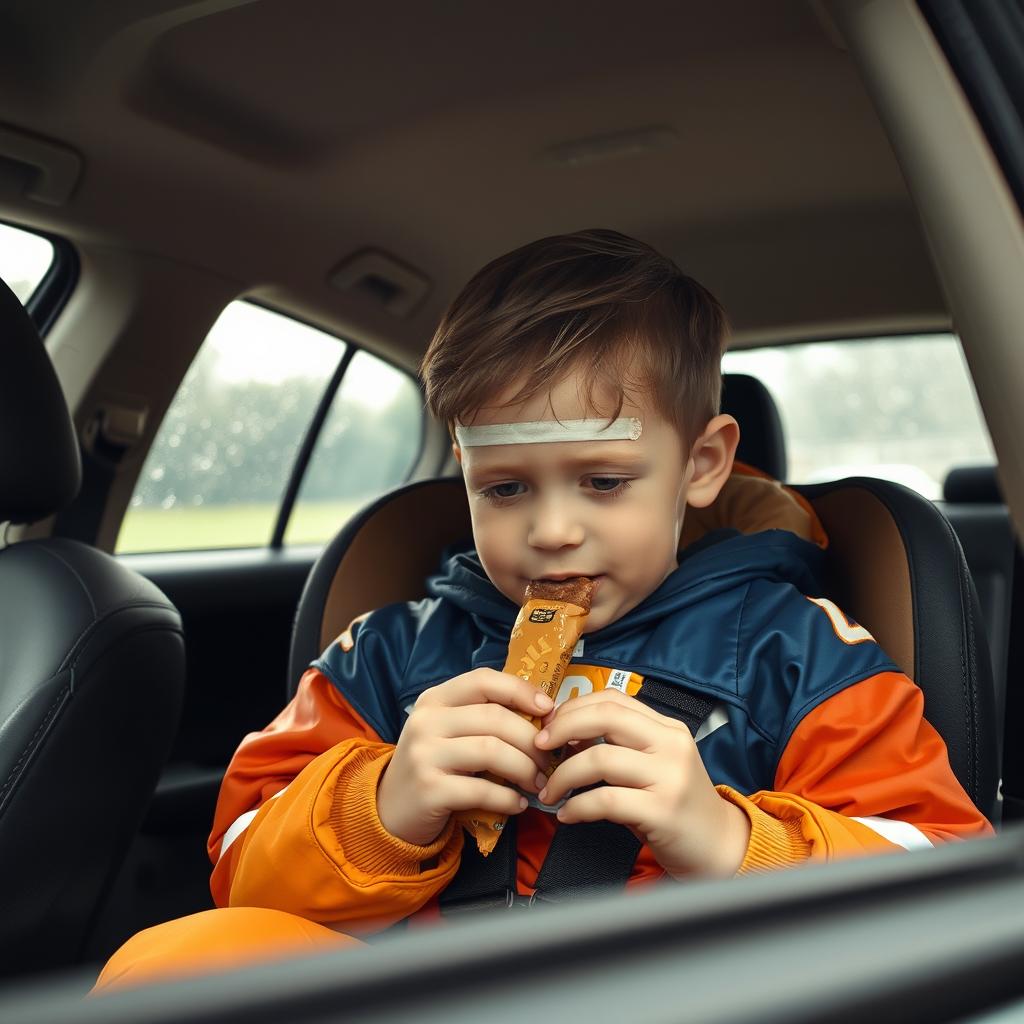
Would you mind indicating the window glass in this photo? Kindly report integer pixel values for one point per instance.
(24, 260)
(369, 444)
(218, 467)
(903, 409)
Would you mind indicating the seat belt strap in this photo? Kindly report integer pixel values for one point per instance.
(583, 858)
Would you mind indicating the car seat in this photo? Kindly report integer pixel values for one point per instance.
(893, 563)
(92, 672)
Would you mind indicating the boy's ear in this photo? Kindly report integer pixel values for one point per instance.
(713, 454)
(457, 452)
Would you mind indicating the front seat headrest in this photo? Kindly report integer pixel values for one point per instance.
(40, 467)
(762, 443)
(972, 485)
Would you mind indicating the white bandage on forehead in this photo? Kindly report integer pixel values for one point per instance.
(625, 428)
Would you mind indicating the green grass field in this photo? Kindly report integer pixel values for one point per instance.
(229, 526)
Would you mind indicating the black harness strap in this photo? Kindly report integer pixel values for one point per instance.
(484, 883)
(584, 858)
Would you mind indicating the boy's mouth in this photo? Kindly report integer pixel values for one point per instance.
(557, 577)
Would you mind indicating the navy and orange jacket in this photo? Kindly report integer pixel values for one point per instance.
(815, 734)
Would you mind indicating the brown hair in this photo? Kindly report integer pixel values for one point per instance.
(596, 302)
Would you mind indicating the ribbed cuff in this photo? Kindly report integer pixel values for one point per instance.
(774, 842)
(369, 846)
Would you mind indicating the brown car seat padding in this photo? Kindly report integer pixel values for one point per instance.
(868, 569)
(396, 549)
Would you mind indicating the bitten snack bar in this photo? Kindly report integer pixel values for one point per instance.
(545, 632)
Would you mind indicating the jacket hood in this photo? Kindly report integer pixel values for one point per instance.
(722, 561)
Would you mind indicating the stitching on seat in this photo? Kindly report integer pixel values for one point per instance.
(74, 572)
(150, 627)
(33, 743)
(969, 681)
(972, 653)
(73, 654)
(52, 711)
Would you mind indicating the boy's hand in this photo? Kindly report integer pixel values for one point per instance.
(656, 783)
(457, 729)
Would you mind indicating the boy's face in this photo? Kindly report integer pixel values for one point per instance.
(608, 509)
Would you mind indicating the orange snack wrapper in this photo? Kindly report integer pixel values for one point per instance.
(546, 630)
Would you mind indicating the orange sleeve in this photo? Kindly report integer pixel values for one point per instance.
(863, 772)
(296, 826)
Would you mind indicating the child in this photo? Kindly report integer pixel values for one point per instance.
(580, 378)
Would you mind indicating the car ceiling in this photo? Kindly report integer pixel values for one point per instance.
(268, 141)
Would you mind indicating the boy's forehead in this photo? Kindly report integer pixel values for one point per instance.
(570, 399)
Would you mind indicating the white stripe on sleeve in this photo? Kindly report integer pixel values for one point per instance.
(239, 825)
(902, 833)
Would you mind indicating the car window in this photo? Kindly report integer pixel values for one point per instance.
(369, 443)
(901, 408)
(24, 260)
(219, 467)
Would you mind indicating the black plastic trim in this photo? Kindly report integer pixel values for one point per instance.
(53, 292)
(198, 581)
(305, 452)
(928, 936)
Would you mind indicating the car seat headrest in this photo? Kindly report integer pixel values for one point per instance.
(40, 466)
(973, 485)
(762, 443)
(391, 548)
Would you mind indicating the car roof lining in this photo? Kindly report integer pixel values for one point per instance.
(229, 137)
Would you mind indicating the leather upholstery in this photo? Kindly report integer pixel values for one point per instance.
(92, 666)
(91, 681)
(40, 468)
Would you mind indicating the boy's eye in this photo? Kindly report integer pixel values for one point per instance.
(606, 483)
(508, 490)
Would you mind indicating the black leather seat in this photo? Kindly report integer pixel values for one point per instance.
(972, 502)
(894, 564)
(92, 672)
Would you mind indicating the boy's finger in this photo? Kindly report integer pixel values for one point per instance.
(487, 686)
(629, 807)
(607, 696)
(617, 766)
(472, 793)
(616, 723)
(488, 754)
(491, 720)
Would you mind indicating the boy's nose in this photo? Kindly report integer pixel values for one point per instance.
(554, 527)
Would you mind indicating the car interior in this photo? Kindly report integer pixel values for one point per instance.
(280, 199)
